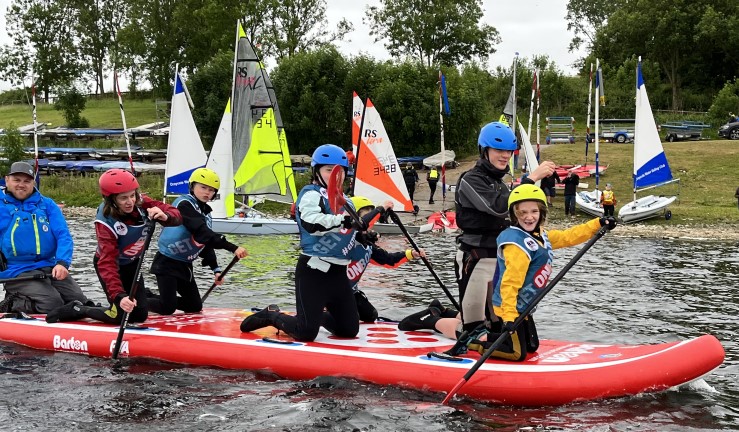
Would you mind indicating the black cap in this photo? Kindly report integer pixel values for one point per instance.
(22, 168)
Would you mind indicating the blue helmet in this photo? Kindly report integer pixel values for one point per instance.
(498, 136)
(329, 154)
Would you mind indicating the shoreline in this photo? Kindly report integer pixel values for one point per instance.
(701, 232)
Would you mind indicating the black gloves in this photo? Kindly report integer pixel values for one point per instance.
(508, 327)
(367, 238)
(610, 221)
(350, 223)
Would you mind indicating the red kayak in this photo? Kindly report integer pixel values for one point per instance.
(559, 373)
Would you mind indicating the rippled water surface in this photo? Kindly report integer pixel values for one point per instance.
(621, 291)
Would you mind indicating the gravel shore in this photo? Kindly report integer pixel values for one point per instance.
(721, 232)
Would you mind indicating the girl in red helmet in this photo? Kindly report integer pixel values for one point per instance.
(121, 228)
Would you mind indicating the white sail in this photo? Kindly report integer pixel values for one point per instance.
(185, 151)
(378, 175)
(220, 162)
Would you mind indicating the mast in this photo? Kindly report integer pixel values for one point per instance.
(599, 78)
(35, 131)
(538, 106)
(636, 110)
(587, 122)
(441, 127)
(123, 119)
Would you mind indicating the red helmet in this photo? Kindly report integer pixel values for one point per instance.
(117, 180)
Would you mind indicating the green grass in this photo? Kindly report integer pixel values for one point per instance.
(707, 171)
(102, 113)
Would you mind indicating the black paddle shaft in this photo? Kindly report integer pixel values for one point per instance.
(134, 288)
(398, 222)
(220, 277)
(522, 316)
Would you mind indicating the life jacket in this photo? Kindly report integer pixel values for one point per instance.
(29, 237)
(333, 244)
(433, 174)
(131, 238)
(608, 198)
(177, 242)
(538, 272)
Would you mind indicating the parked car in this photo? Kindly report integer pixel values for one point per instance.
(729, 131)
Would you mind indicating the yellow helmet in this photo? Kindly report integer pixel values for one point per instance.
(361, 202)
(526, 192)
(205, 176)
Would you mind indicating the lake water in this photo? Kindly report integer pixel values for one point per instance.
(622, 291)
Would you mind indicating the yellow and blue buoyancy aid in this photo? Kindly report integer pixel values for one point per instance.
(131, 238)
(177, 242)
(539, 270)
(434, 174)
(332, 242)
(608, 197)
(29, 240)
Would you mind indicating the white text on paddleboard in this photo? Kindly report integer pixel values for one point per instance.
(71, 344)
(124, 347)
(570, 353)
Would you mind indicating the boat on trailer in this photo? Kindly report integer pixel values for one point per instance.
(560, 372)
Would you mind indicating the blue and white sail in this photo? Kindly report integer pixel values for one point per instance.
(185, 152)
(650, 162)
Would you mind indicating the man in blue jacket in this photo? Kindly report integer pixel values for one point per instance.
(36, 244)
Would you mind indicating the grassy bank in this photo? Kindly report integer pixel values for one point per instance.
(707, 172)
(102, 113)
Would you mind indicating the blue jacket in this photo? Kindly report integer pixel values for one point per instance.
(34, 234)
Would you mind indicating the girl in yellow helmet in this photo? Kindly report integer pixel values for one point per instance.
(524, 266)
(180, 246)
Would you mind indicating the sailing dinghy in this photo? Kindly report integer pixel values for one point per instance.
(250, 151)
(650, 163)
(185, 152)
(377, 174)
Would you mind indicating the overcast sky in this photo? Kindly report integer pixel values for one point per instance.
(529, 27)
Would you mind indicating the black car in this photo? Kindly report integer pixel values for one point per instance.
(729, 130)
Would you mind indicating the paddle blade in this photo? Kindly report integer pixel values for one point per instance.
(335, 193)
(454, 391)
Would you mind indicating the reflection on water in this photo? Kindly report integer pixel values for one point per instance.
(622, 291)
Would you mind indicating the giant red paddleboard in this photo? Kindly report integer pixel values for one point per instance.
(560, 372)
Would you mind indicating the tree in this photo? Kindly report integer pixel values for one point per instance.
(97, 24)
(433, 31)
(586, 17)
(299, 25)
(43, 44)
(210, 88)
(659, 30)
(13, 144)
(71, 103)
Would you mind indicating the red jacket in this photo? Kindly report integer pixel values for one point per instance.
(107, 251)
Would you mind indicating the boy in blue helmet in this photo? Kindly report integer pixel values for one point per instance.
(321, 281)
(481, 202)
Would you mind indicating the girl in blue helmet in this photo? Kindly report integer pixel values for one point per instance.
(481, 202)
(323, 294)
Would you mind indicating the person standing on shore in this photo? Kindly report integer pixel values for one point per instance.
(433, 179)
(571, 182)
(548, 185)
(410, 177)
(608, 200)
(736, 195)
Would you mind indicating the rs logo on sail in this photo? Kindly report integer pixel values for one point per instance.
(70, 344)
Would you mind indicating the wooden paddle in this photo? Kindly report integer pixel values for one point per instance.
(134, 287)
(220, 277)
(503, 336)
(398, 222)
